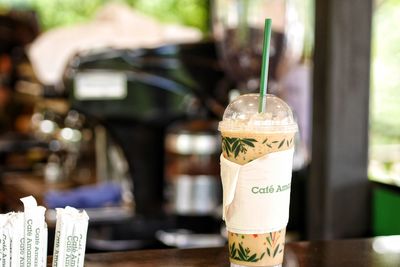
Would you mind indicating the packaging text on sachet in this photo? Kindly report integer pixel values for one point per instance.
(70, 238)
(35, 233)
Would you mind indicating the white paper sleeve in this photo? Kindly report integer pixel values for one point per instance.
(256, 195)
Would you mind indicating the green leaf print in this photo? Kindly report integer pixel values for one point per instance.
(269, 240)
(276, 250)
(236, 146)
(232, 251)
(226, 148)
(237, 151)
(248, 142)
(281, 143)
(242, 254)
(231, 140)
(253, 258)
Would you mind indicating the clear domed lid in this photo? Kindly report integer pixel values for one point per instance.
(242, 115)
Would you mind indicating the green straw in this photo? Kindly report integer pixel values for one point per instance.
(264, 66)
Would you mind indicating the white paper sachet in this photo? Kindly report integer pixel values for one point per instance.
(3, 220)
(57, 237)
(80, 234)
(44, 248)
(60, 240)
(17, 239)
(35, 230)
(5, 241)
(70, 238)
(256, 195)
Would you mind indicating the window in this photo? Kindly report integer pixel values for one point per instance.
(384, 149)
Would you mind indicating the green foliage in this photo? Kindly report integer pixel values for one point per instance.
(189, 12)
(385, 83)
(55, 13)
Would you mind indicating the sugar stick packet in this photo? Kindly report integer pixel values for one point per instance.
(16, 222)
(35, 232)
(44, 248)
(70, 238)
(5, 240)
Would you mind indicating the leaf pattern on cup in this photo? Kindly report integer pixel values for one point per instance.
(285, 142)
(272, 247)
(234, 145)
(243, 254)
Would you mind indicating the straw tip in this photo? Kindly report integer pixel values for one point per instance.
(267, 25)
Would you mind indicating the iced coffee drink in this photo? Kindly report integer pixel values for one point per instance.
(256, 167)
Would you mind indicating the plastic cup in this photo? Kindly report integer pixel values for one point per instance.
(246, 136)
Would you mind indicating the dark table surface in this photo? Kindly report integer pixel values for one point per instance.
(373, 252)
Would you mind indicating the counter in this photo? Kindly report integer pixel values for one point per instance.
(376, 252)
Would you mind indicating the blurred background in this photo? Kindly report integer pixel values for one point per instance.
(384, 130)
(113, 106)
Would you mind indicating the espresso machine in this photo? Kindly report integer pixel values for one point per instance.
(136, 98)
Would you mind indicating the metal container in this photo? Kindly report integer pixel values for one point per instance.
(192, 168)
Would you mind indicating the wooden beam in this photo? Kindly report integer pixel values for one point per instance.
(338, 190)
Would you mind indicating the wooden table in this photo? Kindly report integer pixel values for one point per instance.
(374, 252)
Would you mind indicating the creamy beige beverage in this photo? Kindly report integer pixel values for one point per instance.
(246, 138)
(268, 247)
